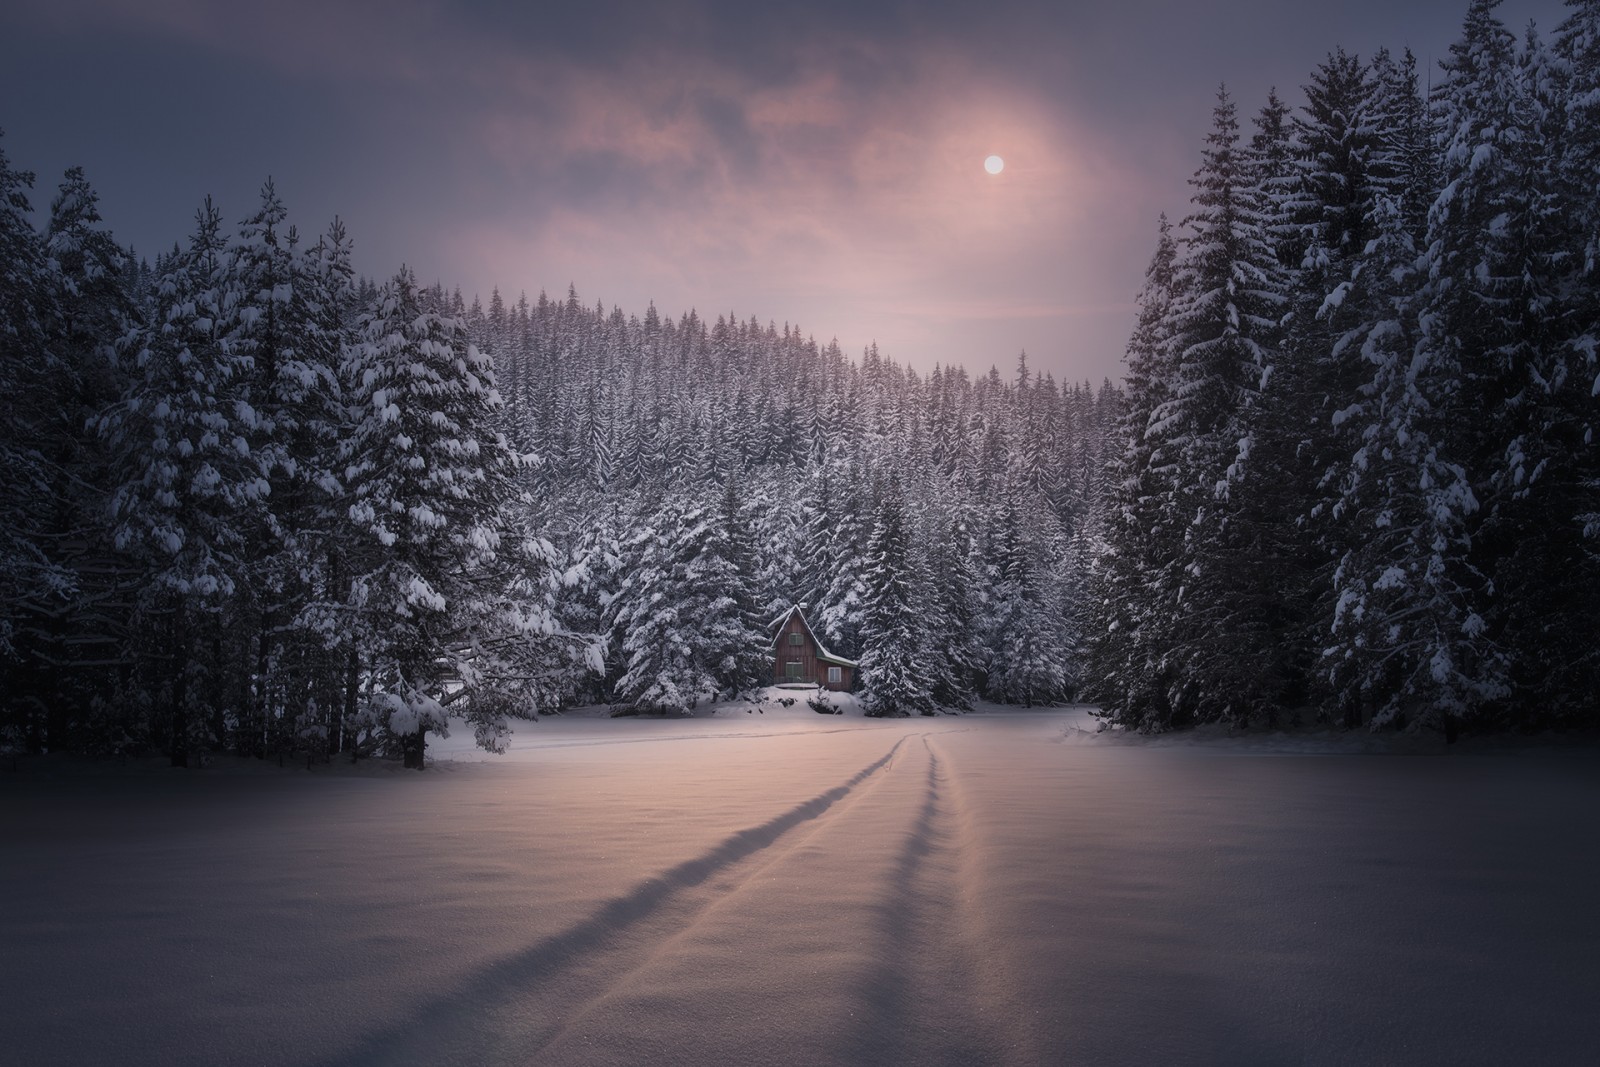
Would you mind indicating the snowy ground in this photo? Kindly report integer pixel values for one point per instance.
(791, 888)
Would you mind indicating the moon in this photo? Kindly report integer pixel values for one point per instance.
(994, 164)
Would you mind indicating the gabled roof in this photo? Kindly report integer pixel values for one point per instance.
(777, 627)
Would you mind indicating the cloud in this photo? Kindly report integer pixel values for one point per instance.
(821, 164)
(816, 195)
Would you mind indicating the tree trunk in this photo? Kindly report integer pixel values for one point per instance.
(352, 691)
(413, 746)
(270, 732)
(219, 719)
(180, 714)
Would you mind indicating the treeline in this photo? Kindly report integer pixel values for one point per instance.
(249, 504)
(1358, 475)
(253, 503)
(705, 477)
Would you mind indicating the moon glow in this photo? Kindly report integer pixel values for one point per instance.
(994, 164)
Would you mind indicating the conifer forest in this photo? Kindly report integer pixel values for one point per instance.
(253, 502)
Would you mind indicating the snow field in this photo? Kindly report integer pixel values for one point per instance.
(808, 890)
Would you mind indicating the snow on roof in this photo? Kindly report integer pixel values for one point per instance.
(822, 650)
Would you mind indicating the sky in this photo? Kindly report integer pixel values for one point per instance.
(818, 164)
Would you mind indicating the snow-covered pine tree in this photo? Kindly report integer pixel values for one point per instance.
(1404, 159)
(428, 478)
(1225, 326)
(324, 539)
(1126, 636)
(1026, 657)
(294, 406)
(814, 565)
(1278, 565)
(1354, 325)
(1578, 46)
(1405, 639)
(31, 580)
(841, 611)
(684, 616)
(950, 655)
(513, 654)
(892, 682)
(1319, 216)
(778, 525)
(189, 488)
(1543, 595)
(78, 639)
(735, 623)
(1485, 332)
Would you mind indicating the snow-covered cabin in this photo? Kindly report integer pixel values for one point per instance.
(799, 656)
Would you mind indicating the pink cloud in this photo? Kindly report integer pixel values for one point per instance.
(855, 212)
(855, 205)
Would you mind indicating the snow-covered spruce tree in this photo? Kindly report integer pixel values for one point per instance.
(814, 563)
(1328, 213)
(291, 370)
(1486, 319)
(324, 539)
(63, 303)
(1543, 475)
(1578, 46)
(95, 306)
(79, 638)
(529, 659)
(594, 558)
(684, 617)
(1025, 627)
(950, 655)
(428, 478)
(779, 530)
(1364, 321)
(1406, 645)
(1078, 550)
(1224, 328)
(892, 681)
(1318, 217)
(841, 613)
(1126, 637)
(189, 487)
(30, 579)
(1404, 164)
(736, 621)
(1280, 566)
(512, 654)
(642, 614)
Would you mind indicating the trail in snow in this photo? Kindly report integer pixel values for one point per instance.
(993, 889)
(535, 995)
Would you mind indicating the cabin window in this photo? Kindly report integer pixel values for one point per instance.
(791, 670)
(797, 639)
(834, 675)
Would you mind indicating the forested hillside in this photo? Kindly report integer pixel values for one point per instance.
(1358, 475)
(255, 504)
(731, 471)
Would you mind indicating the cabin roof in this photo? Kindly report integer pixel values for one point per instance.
(777, 626)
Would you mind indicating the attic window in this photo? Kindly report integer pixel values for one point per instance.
(797, 639)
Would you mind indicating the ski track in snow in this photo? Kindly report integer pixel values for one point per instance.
(941, 892)
(558, 1001)
(585, 966)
